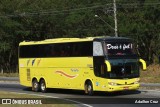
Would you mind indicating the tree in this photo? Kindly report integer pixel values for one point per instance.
(38, 20)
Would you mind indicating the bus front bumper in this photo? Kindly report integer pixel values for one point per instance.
(112, 88)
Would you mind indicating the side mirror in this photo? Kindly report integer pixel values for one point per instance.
(108, 66)
(143, 64)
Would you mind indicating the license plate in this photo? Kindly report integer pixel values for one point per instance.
(126, 88)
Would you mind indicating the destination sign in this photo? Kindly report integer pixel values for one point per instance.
(119, 46)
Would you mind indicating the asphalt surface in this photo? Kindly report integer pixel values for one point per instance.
(122, 99)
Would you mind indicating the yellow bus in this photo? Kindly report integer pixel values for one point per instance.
(91, 64)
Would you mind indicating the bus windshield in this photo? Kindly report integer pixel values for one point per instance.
(119, 48)
(127, 70)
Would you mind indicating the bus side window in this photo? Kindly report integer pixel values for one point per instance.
(75, 50)
(68, 49)
(56, 50)
(52, 51)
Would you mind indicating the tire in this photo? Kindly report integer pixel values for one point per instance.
(43, 86)
(35, 85)
(89, 88)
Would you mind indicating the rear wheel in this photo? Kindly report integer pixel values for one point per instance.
(43, 86)
(35, 85)
(89, 88)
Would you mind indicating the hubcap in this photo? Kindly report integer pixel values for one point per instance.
(89, 88)
(35, 85)
(43, 86)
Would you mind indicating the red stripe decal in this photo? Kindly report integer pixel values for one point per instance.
(69, 76)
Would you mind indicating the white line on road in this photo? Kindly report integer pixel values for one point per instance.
(152, 90)
(56, 98)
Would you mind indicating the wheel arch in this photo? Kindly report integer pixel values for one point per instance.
(90, 81)
(34, 78)
(43, 79)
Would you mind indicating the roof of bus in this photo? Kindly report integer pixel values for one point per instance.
(65, 40)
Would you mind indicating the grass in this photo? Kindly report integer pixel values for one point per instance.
(9, 74)
(151, 75)
(5, 94)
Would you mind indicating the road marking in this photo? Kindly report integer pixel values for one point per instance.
(151, 90)
(87, 105)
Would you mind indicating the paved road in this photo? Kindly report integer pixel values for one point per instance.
(98, 100)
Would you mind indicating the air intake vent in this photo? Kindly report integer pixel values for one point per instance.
(28, 75)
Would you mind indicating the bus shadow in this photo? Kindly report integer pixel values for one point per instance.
(80, 92)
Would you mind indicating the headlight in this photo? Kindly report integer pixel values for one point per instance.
(112, 83)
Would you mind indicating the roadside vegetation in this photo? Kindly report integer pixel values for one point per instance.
(35, 20)
(9, 74)
(151, 75)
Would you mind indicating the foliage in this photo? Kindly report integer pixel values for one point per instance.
(42, 19)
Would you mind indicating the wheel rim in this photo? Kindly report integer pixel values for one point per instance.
(35, 85)
(43, 87)
(89, 88)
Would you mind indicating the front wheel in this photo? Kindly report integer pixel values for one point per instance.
(89, 88)
(43, 86)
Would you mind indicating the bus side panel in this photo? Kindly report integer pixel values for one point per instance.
(28, 70)
(69, 73)
(24, 73)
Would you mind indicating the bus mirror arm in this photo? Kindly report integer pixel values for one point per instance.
(143, 64)
(108, 66)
